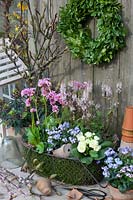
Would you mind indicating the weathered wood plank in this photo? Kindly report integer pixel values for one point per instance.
(121, 69)
(126, 58)
(8, 81)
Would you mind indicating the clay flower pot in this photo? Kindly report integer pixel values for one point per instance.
(128, 119)
(127, 127)
(117, 195)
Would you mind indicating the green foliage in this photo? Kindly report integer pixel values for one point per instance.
(14, 113)
(74, 27)
(34, 138)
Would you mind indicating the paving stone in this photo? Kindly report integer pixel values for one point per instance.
(54, 196)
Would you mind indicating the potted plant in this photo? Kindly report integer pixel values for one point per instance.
(13, 113)
(58, 119)
(118, 171)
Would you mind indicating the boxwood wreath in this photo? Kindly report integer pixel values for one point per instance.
(73, 25)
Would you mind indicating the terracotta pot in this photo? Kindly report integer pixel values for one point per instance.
(10, 131)
(127, 127)
(117, 195)
(128, 119)
(128, 138)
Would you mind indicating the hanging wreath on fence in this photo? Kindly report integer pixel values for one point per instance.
(74, 20)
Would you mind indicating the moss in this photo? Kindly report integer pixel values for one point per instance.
(67, 170)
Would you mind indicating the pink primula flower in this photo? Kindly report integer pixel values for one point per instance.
(28, 92)
(33, 110)
(61, 99)
(55, 109)
(44, 92)
(28, 102)
(44, 83)
(37, 122)
(53, 98)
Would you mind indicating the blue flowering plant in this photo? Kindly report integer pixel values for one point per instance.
(118, 168)
(62, 134)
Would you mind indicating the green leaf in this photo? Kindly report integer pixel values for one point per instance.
(24, 114)
(101, 154)
(74, 153)
(93, 154)
(40, 147)
(87, 160)
(106, 144)
(31, 137)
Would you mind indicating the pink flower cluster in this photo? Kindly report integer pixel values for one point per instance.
(76, 85)
(50, 95)
(53, 97)
(28, 92)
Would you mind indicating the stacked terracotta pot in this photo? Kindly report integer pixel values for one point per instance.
(127, 128)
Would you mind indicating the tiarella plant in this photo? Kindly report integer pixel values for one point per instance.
(118, 169)
(89, 113)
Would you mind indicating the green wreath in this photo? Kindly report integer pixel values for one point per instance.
(73, 25)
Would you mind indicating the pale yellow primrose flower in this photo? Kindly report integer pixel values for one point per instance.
(88, 134)
(80, 137)
(93, 143)
(81, 147)
(96, 138)
(97, 148)
(88, 141)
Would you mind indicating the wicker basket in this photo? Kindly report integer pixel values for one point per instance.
(69, 171)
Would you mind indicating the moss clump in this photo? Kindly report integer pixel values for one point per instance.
(67, 170)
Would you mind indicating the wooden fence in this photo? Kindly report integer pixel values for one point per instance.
(120, 69)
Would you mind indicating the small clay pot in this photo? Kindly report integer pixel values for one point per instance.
(127, 127)
(117, 195)
(128, 119)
